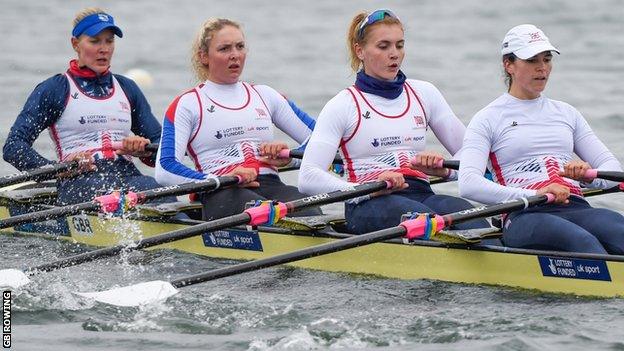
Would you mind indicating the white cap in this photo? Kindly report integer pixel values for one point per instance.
(526, 41)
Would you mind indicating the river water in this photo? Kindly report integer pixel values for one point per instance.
(298, 47)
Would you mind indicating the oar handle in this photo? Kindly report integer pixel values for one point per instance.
(296, 153)
(153, 147)
(452, 164)
(607, 175)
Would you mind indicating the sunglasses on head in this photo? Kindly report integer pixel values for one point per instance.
(374, 17)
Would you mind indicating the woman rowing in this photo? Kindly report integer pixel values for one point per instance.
(528, 141)
(379, 125)
(226, 127)
(87, 110)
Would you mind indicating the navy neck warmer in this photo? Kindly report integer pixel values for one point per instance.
(389, 89)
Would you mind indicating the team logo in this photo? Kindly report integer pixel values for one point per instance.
(124, 106)
(82, 120)
(74, 95)
(375, 142)
(218, 135)
(419, 121)
(533, 37)
(366, 115)
(211, 109)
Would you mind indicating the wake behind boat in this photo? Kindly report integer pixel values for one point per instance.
(459, 258)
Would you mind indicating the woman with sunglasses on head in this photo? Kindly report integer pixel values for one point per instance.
(379, 125)
(226, 127)
(528, 141)
(87, 110)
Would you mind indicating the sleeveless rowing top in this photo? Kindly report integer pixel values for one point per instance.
(228, 136)
(383, 142)
(92, 124)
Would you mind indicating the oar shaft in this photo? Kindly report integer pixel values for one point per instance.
(181, 189)
(295, 153)
(608, 175)
(48, 214)
(39, 174)
(298, 255)
(487, 211)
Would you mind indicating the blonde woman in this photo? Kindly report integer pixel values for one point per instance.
(226, 126)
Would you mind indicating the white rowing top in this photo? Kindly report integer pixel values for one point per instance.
(221, 126)
(376, 134)
(525, 144)
(92, 124)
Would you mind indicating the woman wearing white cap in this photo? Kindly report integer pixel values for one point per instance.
(527, 141)
(86, 110)
(379, 126)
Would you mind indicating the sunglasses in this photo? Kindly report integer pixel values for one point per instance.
(374, 17)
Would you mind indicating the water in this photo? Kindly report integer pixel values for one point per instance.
(297, 47)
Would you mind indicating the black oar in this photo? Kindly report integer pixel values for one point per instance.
(49, 171)
(38, 174)
(608, 175)
(147, 292)
(254, 216)
(296, 153)
(110, 203)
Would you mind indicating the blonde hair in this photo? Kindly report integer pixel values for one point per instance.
(86, 12)
(202, 43)
(353, 38)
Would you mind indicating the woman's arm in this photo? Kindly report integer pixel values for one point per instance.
(144, 123)
(178, 125)
(43, 108)
(286, 115)
(593, 151)
(333, 123)
(443, 122)
(474, 157)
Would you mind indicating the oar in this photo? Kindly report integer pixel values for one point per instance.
(254, 216)
(296, 153)
(608, 175)
(51, 170)
(111, 202)
(422, 226)
(38, 174)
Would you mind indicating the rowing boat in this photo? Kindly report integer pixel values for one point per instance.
(459, 262)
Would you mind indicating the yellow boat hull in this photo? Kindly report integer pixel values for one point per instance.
(552, 272)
